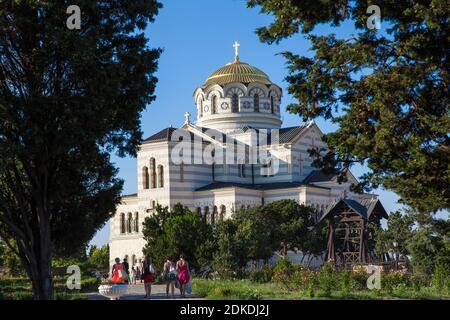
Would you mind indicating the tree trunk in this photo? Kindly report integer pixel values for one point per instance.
(36, 258)
(45, 289)
(35, 266)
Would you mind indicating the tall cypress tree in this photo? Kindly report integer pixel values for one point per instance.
(67, 99)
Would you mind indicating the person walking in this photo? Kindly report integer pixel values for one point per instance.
(118, 273)
(138, 273)
(149, 276)
(126, 268)
(170, 276)
(183, 274)
(141, 270)
(133, 275)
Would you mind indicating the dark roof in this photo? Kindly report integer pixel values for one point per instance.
(318, 176)
(365, 208)
(288, 134)
(263, 186)
(163, 135)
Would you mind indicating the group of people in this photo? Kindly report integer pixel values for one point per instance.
(173, 274)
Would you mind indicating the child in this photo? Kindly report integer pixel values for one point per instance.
(133, 275)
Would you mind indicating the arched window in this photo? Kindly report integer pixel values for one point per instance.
(272, 105)
(160, 176)
(145, 178)
(182, 171)
(214, 105)
(215, 216)
(235, 103)
(136, 222)
(256, 102)
(122, 223)
(152, 173)
(207, 217)
(200, 103)
(223, 212)
(199, 211)
(129, 222)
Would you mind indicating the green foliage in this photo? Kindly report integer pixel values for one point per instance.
(10, 261)
(399, 230)
(393, 280)
(291, 225)
(348, 283)
(262, 275)
(170, 233)
(441, 277)
(21, 295)
(304, 279)
(427, 249)
(327, 279)
(419, 281)
(387, 90)
(282, 273)
(250, 294)
(99, 257)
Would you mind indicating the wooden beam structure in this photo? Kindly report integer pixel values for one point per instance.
(348, 232)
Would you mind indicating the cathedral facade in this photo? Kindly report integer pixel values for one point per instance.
(236, 154)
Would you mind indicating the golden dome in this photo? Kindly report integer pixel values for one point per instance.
(237, 71)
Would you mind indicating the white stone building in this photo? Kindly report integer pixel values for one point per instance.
(234, 107)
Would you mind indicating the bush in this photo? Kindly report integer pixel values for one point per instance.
(303, 278)
(327, 279)
(419, 281)
(392, 280)
(282, 273)
(21, 295)
(69, 296)
(348, 283)
(222, 292)
(250, 294)
(360, 279)
(89, 284)
(441, 277)
(262, 275)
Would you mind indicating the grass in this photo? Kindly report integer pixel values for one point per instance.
(247, 290)
(19, 288)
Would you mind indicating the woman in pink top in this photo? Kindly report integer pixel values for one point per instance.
(183, 274)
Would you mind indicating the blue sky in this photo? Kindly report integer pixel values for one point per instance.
(197, 38)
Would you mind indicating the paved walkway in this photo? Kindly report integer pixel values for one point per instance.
(137, 292)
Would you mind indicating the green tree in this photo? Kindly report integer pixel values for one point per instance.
(428, 249)
(68, 98)
(387, 90)
(231, 254)
(255, 231)
(99, 257)
(292, 224)
(399, 231)
(172, 232)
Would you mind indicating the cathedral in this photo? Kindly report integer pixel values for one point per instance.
(235, 155)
